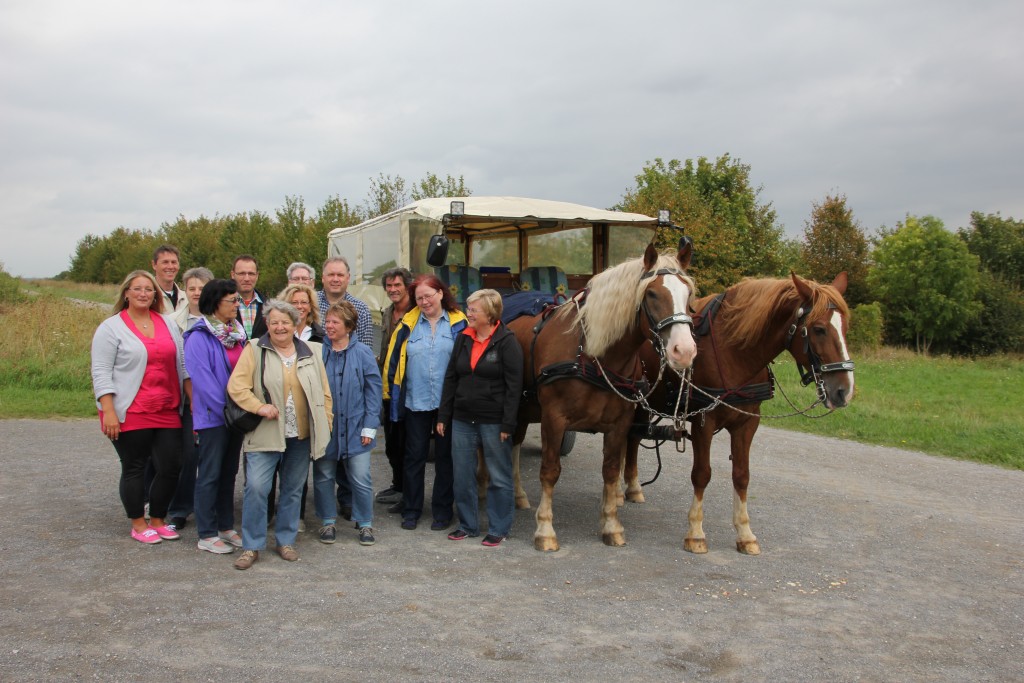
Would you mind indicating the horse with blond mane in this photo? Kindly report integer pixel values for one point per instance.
(581, 368)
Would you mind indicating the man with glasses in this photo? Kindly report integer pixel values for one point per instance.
(300, 273)
(245, 272)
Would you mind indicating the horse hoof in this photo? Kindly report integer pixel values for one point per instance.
(636, 497)
(696, 545)
(615, 540)
(545, 544)
(522, 503)
(748, 547)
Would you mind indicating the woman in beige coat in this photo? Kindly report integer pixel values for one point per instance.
(296, 425)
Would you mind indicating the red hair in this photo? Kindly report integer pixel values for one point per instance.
(434, 282)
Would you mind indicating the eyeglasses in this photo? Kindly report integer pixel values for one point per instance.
(295, 280)
(142, 290)
(428, 297)
(231, 300)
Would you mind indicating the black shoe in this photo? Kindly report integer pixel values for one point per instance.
(388, 496)
(328, 534)
(440, 524)
(409, 524)
(397, 508)
(346, 513)
(366, 536)
(178, 523)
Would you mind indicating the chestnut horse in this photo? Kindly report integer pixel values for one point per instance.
(739, 332)
(582, 359)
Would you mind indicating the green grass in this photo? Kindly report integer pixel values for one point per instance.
(103, 294)
(971, 409)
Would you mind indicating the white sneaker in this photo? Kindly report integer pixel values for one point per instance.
(215, 545)
(231, 537)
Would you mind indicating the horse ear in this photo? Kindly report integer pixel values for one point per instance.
(685, 251)
(841, 282)
(802, 288)
(650, 256)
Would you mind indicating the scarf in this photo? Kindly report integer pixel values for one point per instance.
(229, 334)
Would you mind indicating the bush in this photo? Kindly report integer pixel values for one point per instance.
(999, 325)
(866, 326)
(10, 288)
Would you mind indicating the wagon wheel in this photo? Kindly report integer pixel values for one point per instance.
(568, 441)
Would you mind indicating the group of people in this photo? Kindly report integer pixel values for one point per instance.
(169, 358)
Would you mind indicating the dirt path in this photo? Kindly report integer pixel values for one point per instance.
(878, 565)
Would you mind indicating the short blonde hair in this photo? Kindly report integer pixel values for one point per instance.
(314, 304)
(490, 303)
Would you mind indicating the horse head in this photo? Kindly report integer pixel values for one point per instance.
(817, 339)
(668, 292)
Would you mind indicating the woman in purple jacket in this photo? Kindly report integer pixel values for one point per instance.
(212, 349)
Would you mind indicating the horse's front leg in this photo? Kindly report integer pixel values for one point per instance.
(700, 475)
(746, 541)
(612, 532)
(544, 537)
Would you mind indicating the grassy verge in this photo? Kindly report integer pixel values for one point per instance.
(971, 409)
(44, 358)
(102, 294)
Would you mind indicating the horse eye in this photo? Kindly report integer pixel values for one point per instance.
(820, 330)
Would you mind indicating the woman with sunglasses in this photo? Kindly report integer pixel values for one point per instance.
(414, 374)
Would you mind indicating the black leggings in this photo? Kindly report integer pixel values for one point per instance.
(137, 447)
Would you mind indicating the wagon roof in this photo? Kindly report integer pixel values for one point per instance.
(494, 213)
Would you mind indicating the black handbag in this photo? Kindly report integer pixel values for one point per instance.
(238, 418)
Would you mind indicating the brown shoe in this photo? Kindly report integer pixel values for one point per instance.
(247, 559)
(287, 552)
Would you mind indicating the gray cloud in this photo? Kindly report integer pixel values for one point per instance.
(131, 114)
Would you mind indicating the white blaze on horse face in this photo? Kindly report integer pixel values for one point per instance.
(682, 349)
(837, 323)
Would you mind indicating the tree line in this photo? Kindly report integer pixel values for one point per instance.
(917, 284)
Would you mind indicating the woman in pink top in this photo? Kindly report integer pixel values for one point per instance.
(138, 376)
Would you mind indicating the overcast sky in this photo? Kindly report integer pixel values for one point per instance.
(132, 113)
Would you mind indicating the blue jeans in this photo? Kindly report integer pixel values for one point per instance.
(466, 438)
(356, 472)
(418, 427)
(218, 449)
(341, 479)
(259, 472)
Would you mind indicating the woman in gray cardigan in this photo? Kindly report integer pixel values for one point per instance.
(138, 376)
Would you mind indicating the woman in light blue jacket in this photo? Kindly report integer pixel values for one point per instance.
(354, 378)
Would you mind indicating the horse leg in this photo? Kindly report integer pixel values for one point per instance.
(746, 541)
(634, 492)
(700, 475)
(612, 532)
(522, 500)
(544, 537)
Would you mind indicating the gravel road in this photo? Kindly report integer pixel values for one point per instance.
(878, 565)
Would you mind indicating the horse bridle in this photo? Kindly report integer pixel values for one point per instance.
(817, 368)
(656, 326)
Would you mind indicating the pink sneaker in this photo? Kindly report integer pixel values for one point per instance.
(166, 532)
(149, 536)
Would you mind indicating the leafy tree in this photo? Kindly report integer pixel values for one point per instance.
(734, 233)
(999, 325)
(386, 194)
(999, 243)
(834, 242)
(926, 279)
(432, 186)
